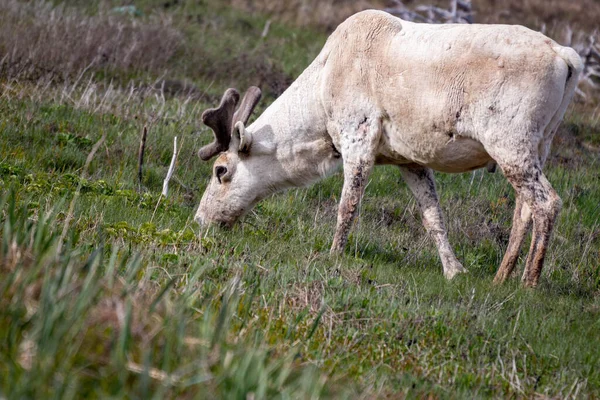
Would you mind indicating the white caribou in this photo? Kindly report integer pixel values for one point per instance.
(449, 98)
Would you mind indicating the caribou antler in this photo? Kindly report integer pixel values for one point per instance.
(219, 120)
(250, 100)
(223, 118)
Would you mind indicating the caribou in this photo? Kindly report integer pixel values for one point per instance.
(424, 97)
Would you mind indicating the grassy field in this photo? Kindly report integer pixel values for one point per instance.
(108, 289)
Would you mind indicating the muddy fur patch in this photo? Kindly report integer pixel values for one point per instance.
(351, 196)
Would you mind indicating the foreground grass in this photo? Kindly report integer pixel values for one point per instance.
(139, 301)
(131, 299)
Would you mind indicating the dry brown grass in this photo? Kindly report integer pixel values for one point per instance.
(581, 14)
(325, 13)
(40, 40)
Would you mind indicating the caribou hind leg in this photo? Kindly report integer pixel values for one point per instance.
(520, 226)
(533, 188)
(421, 182)
(522, 216)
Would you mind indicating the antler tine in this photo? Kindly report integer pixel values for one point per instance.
(220, 121)
(250, 100)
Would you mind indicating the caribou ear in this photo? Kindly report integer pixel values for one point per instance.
(243, 138)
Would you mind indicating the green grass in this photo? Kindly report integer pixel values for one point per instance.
(134, 300)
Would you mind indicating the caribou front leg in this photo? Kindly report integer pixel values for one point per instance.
(421, 183)
(358, 152)
(355, 179)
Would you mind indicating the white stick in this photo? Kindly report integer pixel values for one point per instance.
(265, 31)
(171, 169)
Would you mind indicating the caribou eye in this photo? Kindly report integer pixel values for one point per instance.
(220, 171)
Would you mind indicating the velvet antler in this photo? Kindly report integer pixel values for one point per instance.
(250, 100)
(223, 118)
(220, 121)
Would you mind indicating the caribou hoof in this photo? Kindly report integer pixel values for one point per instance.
(454, 269)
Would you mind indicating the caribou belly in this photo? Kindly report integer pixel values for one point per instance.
(445, 152)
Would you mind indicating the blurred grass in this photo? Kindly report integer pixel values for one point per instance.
(327, 14)
(185, 47)
(140, 303)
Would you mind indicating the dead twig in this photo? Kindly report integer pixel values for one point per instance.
(460, 12)
(165, 190)
(588, 48)
(265, 31)
(141, 154)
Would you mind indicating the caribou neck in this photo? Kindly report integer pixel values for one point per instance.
(294, 130)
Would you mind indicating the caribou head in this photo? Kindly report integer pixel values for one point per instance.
(234, 187)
